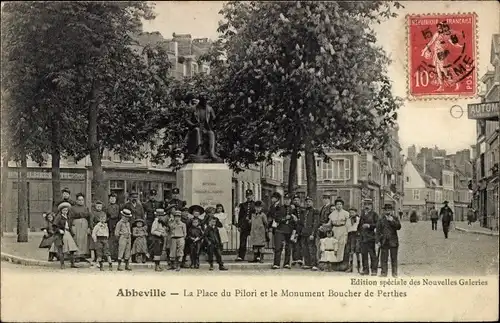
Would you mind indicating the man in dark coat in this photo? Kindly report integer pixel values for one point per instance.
(307, 228)
(135, 207)
(246, 209)
(387, 239)
(446, 215)
(366, 226)
(297, 246)
(284, 221)
(175, 201)
(149, 208)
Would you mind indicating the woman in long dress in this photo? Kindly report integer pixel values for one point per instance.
(64, 242)
(338, 221)
(224, 219)
(80, 220)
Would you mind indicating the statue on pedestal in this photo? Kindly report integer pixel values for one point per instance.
(201, 137)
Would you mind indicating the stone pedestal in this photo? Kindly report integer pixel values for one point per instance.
(206, 185)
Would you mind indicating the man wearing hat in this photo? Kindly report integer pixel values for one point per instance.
(135, 207)
(175, 201)
(66, 193)
(284, 221)
(446, 215)
(246, 210)
(387, 240)
(307, 228)
(113, 216)
(124, 234)
(366, 226)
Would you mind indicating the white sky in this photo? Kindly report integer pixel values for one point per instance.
(424, 124)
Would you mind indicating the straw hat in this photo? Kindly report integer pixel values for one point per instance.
(64, 205)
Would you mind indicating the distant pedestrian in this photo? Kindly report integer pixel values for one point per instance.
(178, 232)
(366, 227)
(124, 234)
(470, 216)
(100, 236)
(388, 241)
(214, 245)
(446, 217)
(434, 218)
(64, 242)
(258, 231)
(140, 246)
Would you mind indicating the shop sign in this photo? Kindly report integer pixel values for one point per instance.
(486, 110)
(48, 175)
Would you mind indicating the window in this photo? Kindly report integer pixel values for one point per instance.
(336, 169)
(194, 69)
(116, 184)
(416, 195)
(407, 179)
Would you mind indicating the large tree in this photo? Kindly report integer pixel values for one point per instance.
(101, 88)
(301, 76)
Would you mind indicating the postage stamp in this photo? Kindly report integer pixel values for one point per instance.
(442, 56)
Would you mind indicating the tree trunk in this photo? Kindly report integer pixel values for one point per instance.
(292, 173)
(3, 194)
(22, 217)
(56, 164)
(98, 184)
(311, 172)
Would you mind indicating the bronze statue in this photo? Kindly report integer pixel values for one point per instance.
(201, 137)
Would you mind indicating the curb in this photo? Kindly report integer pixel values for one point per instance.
(494, 234)
(41, 263)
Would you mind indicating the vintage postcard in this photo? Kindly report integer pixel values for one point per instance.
(227, 161)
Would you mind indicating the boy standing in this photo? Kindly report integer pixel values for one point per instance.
(95, 217)
(387, 238)
(307, 228)
(100, 235)
(122, 231)
(353, 241)
(195, 235)
(178, 239)
(214, 244)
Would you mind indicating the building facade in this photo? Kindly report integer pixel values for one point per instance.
(486, 114)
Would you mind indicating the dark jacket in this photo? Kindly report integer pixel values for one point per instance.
(280, 214)
(323, 214)
(245, 214)
(212, 237)
(195, 232)
(137, 211)
(387, 232)
(113, 216)
(175, 202)
(149, 208)
(446, 214)
(308, 222)
(60, 224)
(368, 234)
(70, 201)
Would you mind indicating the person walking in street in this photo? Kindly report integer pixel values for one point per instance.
(387, 239)
(470, 216)
(258, 231)
(100, 236)
(246, 210)
(434, 218)
(446, 215)
(113, 216)
(307, 230)
(366, 227)
(297, 256)
(158, 234)
(214, 244)
(124, 234)
(81, 223)
(283, 222)
(64, 242)
(353, 240)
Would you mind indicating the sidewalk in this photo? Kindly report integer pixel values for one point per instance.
(28, 254)
(475, 228)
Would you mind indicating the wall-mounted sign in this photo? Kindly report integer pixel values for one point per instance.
(48, 175)
(486, 110)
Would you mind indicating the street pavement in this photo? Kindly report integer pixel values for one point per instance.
(422, 252)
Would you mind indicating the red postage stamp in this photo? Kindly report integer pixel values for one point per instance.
(442, 56)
